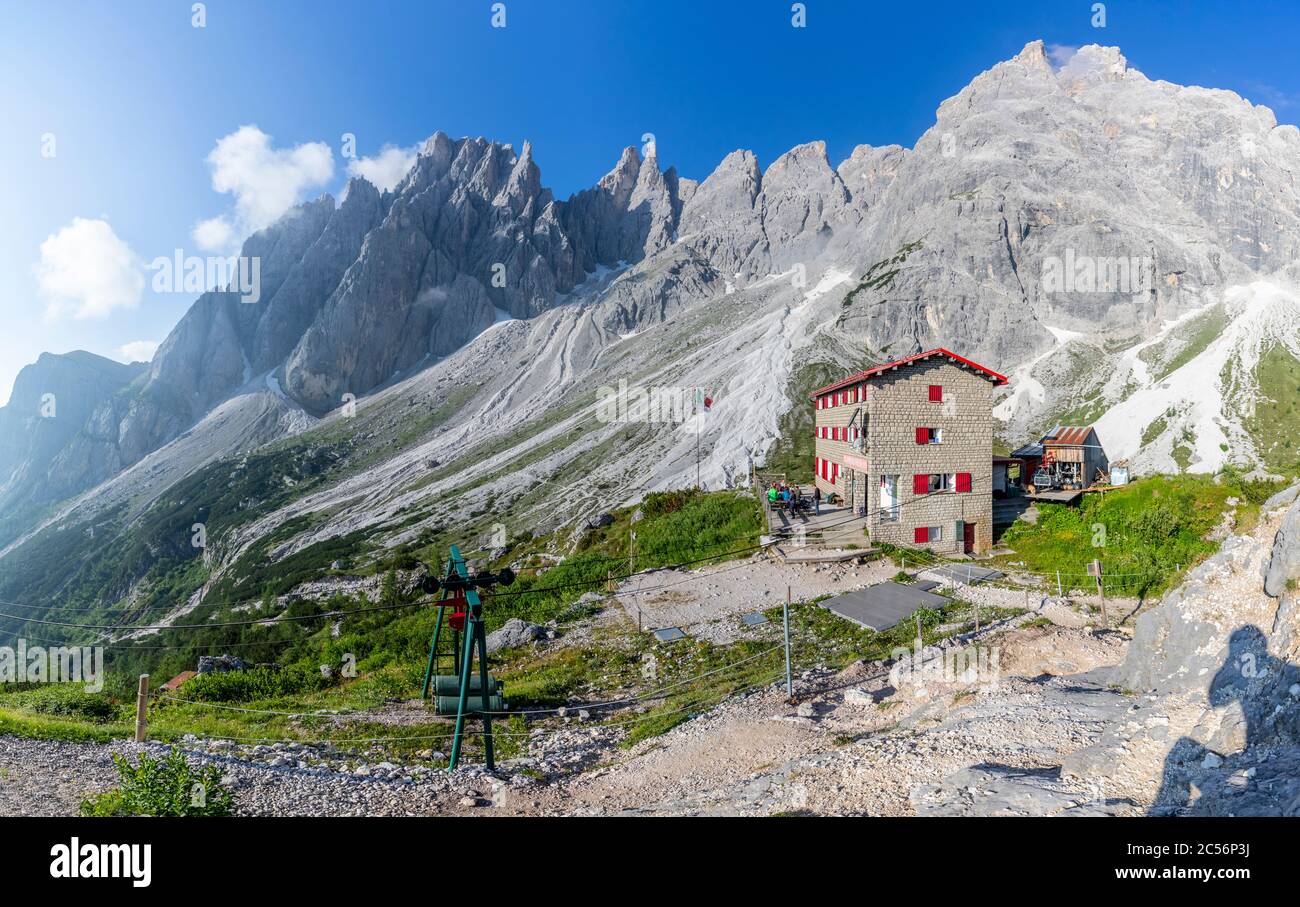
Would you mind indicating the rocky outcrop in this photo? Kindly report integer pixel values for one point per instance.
(514, 632)
(52, 403)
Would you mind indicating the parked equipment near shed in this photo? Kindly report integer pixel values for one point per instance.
(1067, 459)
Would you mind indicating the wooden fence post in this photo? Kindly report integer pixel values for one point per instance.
(141, 709)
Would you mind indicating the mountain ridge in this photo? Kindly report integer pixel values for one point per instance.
(475, 398)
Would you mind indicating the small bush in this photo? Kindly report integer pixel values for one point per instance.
(253, 684)
(67, 701)
(162, 787)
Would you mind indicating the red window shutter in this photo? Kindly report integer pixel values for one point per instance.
(921, 536)
(922, 435)
(920, 483)
(963, 481)
(936, 393)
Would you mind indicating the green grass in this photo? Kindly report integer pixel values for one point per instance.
(1275, 425)
(1156, 428)
(39, 727)
(1153, 529)
(1195, 338)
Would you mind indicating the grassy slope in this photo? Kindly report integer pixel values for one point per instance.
(1144, 534)
(1275, 425)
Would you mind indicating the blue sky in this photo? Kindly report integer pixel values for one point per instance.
(132, 99)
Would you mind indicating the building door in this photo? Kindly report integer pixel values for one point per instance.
(968, 538)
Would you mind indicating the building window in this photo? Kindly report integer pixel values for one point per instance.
(963, 482)
(929, 435)
(889, 499)
(936, 393)
(925, 535)
(931, 483)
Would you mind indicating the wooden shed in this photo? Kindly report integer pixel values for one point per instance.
(1076, 453)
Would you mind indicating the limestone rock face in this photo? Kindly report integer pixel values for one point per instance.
(53, 401)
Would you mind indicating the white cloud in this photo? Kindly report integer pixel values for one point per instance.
(386, 169)
(265, 181)
(138, 350)
(1061, 54)
(87, 271)
(216, 234)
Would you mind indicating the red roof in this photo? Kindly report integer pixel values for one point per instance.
(1068, 436)
(879, 369)
(178, 680)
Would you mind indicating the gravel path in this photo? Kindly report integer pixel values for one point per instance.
(47, 778)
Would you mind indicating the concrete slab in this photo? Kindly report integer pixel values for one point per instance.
(924, 585)
(816, 554)
(883, 605)
(754, 620)
(966, 574)
(669, 634)
(1056, 497)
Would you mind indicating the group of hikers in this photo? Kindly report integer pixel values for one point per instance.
(783, 495)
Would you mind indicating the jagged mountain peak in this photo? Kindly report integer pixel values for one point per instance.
(943, 244)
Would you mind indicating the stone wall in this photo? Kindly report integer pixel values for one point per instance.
(897, 402)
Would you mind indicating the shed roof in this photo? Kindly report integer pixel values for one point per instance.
(1068, 436)
(877, 370)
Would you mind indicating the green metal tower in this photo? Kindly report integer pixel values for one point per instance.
(464, 692)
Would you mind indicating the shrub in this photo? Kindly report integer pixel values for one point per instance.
(253, 684)
(162, 787)
(68, 701)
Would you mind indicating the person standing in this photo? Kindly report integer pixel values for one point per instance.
(817, 500)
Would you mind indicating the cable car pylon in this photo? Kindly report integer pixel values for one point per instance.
(451, 692)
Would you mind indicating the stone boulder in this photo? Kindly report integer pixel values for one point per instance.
(220, 664)
(516, 632)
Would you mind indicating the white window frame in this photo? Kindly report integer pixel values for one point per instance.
(889, 512)
(947, 482)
